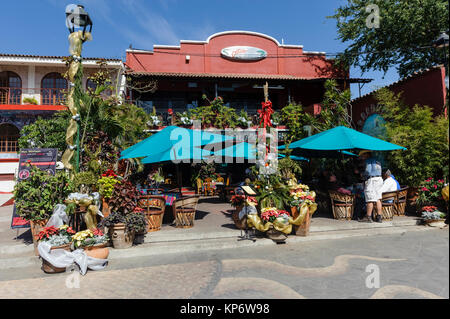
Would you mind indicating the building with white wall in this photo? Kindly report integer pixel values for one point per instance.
(33, 86)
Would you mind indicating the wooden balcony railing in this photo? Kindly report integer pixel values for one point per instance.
(48, 96)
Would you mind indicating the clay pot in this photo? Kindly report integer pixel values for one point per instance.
(48, 267)
(98, 251)
(36, 227)
(106, 210)
(121, 239)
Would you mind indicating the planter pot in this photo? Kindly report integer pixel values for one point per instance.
(106, 210)
(36, 227)
(240, 223)
(48, 267)
(276, 235)
(121, 239)
(303, 229)
(98, 251)
(139, 238)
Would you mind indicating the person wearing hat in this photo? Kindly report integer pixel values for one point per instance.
(372, 186)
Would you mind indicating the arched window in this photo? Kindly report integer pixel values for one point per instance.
(53, 86)
(10, 88)
(9, 135)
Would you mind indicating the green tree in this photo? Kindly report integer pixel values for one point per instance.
(406, 31)
(293, 116)
(46, 133)
(424, 136)
(335, 109)
(216, 114)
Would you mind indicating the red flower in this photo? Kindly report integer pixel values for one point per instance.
(97, 232)
(170, 111)
(425, 189)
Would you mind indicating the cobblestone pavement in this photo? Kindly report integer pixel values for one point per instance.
(409, 265)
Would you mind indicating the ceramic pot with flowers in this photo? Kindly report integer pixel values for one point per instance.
(93, 242)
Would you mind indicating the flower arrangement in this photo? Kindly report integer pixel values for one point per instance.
(432, 213)
(185, 118)
(300, 193)
(269, 214)
(430, 191)
(155, 120)
(56, 236)
(89, 237)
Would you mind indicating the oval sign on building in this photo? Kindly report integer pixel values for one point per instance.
(243, 53)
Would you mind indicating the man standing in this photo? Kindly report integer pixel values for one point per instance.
(372, 186)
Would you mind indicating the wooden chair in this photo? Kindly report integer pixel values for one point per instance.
(388, 200)
(155, 207)
(342, 205)
(400, 203)
(209, 190)
(184, 211)
(199, 186)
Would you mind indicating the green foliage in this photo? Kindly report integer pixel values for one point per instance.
(46, 133)
(124, 197)
(84, 181)
(106, 186)
(406, 31)
(294, 118)
(216, 115)
(430, 192)
(36, 196)
(30, 100)
(288, 168)
(335, 109)
(424, 136)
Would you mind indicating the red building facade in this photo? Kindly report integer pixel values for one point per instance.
(233, 65)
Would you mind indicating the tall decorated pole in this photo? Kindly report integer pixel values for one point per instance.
(76, 18)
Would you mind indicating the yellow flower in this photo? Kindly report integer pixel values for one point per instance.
(63, 226)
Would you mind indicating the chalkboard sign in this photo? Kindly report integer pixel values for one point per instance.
(43, 158)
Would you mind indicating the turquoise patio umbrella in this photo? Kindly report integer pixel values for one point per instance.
(342, 138)
(294, 157)
(173, 136)
(177, 154)
(241, 150)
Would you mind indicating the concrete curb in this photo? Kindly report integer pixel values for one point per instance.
(211, 244)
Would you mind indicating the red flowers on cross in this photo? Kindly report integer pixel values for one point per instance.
(109, 173)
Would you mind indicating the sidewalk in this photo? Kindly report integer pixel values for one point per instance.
(213, 229)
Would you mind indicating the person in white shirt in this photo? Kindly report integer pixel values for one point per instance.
(389, 184)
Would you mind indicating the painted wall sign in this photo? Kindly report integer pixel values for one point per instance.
(243, 53)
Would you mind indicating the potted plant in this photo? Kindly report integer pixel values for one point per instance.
(431, 216)
(137, 223)
(277, 221)
(30, 100)
(240, 202)
(93, 242)
(120, 236)
(36, 196)
(57, 238)
(301, 199)
(106, 189)
(430, 193)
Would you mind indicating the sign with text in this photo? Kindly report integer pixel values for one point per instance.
(43, 158)
(243, 53)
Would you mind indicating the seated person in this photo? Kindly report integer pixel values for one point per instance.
(389, 185)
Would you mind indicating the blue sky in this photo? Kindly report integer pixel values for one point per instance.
(38, 27)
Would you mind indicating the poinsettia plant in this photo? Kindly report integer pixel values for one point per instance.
(56, 236)
(269, 214)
